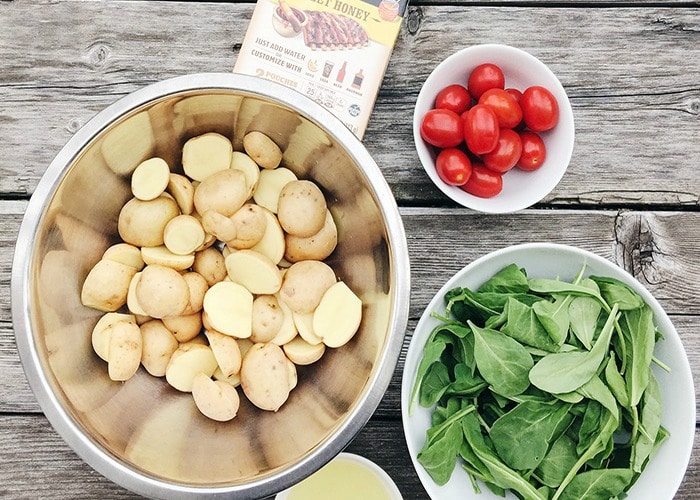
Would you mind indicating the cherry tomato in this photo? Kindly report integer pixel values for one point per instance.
(540, 108)
(481, 129)
(515, 93)
(533, 153)
(455, 98)
(507, 152)
(483, 182)
(483, 77)
(453, 166)
(442, 128)
(506, 107)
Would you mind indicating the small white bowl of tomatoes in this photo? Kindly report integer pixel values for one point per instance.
(493, 128)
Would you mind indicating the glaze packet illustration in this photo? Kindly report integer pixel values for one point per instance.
(333, 51)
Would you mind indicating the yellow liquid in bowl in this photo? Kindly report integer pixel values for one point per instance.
(341, 479)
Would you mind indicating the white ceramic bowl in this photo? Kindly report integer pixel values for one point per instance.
(663, 475)
(347, 476)
(521, 189)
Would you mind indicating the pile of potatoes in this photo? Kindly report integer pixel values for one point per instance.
(219, 280)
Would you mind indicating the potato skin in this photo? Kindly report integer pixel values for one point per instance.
(162, 291)
(107, 285)
(315, 247)
(265, 376)
(142, 223)
(304, 284)
(224, 192)
(301, 208)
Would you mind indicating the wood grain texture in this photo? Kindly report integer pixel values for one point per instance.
(36, 463)
(631, 74)
(631, 194)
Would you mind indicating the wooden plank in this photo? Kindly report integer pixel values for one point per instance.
(36, 463)
(630, 72)
(657, 247)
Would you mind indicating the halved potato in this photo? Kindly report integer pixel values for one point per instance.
(255, 271)
(229, 309)
(338, 316)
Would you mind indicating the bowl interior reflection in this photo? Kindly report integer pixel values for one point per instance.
(144, 424)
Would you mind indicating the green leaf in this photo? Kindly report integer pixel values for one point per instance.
(596, 390)
(650, 421)
(554, 317)
(637, 327)
(604, 483)
(551, 287)
(439, 454)
(531, 422)
(435, 383)
(510, 279)
(560, 459)
(583, 315)
(614, 291)
(521, 323)
(502, 361)
(608, 424)
(503, 476)
(616, 383)
(565, 372)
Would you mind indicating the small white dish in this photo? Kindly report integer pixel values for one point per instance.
(521, 189)
(664, 473)
(346, 477)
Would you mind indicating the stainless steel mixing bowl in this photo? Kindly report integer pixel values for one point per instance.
(142, 434)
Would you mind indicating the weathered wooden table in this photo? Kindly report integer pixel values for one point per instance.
(631, 194)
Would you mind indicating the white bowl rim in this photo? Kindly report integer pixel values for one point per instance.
(381, 474)
(545, 179)
(684, 390)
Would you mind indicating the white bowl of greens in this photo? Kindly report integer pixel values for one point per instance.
(565, 381)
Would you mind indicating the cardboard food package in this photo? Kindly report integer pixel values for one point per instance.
(332, 51)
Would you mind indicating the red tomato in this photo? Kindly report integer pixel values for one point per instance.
(481, 129)
(515, 93)
(534, 151)
(507, 152)
(540, 108)
(453, 166)
(455, 98)
(442, 128)
(506, 107)
(483, 182)
(483, 77)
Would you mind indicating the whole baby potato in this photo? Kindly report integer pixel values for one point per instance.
(263, 150)
(162, 291)
(264, 376)
(107, 285)
(218, 225)
(159, 344)
(250, 224)
(198, 287)
(142, 223)
(268, 318)
(184, 327)
(125, 346)
(304, 284)
(315, 247)
(225, 192)
(210, 263)
(216, 399)
(301, 208)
